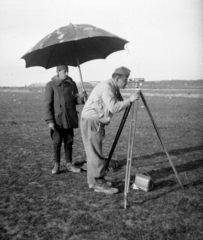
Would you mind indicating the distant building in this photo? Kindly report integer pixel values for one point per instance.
(85, 84)
(37, 85)
(88, 85)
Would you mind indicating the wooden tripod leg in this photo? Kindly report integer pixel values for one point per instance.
(159, 136)
(130, 152)
(125, 115)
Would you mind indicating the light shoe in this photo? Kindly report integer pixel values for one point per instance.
(91, 185)
(71, 168)
(105, 188)
(56, 168)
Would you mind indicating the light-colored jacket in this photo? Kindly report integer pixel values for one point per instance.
(104, 101)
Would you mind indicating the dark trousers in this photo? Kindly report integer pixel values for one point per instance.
(62, 135)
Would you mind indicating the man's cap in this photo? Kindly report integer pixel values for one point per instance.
(123, 71)
(61, 67)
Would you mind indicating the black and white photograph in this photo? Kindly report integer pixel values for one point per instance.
(101, 120)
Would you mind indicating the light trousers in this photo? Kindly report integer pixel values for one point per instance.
(93, 133)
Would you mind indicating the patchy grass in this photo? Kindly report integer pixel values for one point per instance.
(36, 205)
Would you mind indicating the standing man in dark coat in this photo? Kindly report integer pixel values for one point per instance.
(61, 98)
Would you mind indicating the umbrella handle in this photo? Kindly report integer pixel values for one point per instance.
(83, 89)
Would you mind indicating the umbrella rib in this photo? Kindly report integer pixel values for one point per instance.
(27, 63)
(103, 56)
(92, 42)
(50, 56)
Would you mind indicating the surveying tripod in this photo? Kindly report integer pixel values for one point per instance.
(137, 82)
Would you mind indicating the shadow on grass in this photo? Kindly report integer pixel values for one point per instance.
(164, 184)
(158, 175)
(175, 152)
(161, 185)
(164, 172)
(184, 167)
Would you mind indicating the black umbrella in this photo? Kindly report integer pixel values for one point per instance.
(73, 45)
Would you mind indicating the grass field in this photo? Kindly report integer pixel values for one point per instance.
(36, 205)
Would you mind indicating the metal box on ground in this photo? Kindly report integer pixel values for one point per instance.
(143, 182)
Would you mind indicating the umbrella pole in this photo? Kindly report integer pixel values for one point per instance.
(83, 89)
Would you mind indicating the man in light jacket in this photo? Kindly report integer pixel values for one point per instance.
(61, 98)
(104, 101)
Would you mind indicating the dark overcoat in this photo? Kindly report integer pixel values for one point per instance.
(61, 98)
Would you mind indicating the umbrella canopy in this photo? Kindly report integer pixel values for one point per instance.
(73, 45)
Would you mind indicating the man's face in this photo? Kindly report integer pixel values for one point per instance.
(63, 74)
(122, 82)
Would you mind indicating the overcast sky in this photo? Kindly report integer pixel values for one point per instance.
(166, 37)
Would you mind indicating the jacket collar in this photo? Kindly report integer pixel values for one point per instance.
(57, 81)
(114, 84)
(116, 89)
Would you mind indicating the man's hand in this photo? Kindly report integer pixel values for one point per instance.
(135, 96)
(84, 96)
(51, 126)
